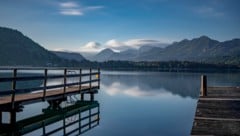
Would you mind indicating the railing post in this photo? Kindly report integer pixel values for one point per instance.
(80, 80)
(80, 84)
(64, 82)
(0, 117)
(45, 84)
(90, 79)
(12, 117)
(90, 85)
(203, 85)
(98, 78)
(14, 87)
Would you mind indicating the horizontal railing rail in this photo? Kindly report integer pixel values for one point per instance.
(38, 68)
(28, 78)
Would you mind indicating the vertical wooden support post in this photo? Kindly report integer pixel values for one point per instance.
(80, 84)
(45, 84)
(91, 96)
(82, 96)
(80, 80)
(0, 117)
(14, 87)
(90, 85)
(203, 85)
(12, 117)
(64, 82)
(90, 79)
(98, 78)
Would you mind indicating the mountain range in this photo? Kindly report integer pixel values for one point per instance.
(202, 49)
(17, 49)
(70, 56)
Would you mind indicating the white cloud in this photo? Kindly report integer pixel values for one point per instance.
(94, 7)
(74, 9)
(116, 45)
(137, 43)
(91, 47)
(209, 12)
(133, 44)
(71, 12)
(61, 49)
(69, 5)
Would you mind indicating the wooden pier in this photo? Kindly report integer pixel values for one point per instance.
(68, 82)
(218, 111)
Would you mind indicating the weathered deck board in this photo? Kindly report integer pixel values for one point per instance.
(218, 113)
(51, 93)
(216, 127)
(223, 92)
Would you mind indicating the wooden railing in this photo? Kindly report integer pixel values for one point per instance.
(45, 74)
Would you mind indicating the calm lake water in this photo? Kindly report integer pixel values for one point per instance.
(145, 103)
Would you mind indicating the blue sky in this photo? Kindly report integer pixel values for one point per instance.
(96, 24)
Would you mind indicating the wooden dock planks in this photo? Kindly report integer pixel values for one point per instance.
(218, 113)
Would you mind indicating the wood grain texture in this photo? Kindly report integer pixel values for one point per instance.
(218, 113)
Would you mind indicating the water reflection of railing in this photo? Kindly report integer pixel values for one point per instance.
(72, 120)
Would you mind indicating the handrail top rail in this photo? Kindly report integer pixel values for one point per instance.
(42, 68)
(42, 77)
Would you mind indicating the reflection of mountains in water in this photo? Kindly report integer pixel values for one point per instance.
(71, 120)
(181, 84)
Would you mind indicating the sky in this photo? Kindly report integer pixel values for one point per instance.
(92, 25)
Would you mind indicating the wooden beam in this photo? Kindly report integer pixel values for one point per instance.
(0, 117)
(217, 119)
(98, 78)
(218, 99)
(14, 87)
(64, 82)
(90, 79)
(45, 84)
(12, 117)
(80, 79)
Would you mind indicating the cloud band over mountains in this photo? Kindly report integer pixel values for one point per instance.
(118, 46)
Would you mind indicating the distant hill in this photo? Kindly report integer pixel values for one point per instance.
(17, 49)
(202, 49)
(70, 55)
(103, 55)
(198, 49)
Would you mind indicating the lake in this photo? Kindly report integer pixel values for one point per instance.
(145, 103)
